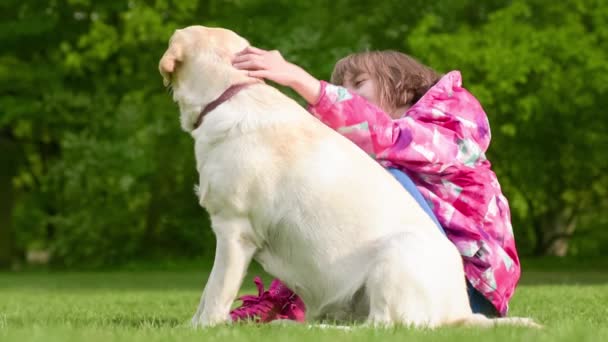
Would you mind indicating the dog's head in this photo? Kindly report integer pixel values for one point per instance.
(197, 66)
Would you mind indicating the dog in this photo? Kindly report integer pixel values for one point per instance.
(306, 203)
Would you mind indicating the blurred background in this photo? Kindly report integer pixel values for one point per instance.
(96, 172)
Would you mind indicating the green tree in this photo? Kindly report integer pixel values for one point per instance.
(96, 169)
(539, 70)
(104, 172)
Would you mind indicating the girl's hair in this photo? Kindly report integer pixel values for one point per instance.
(401, 80)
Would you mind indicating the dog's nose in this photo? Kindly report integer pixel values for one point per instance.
(170, 59)
(167, 64)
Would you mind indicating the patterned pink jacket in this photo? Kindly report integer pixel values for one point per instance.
(440, 143)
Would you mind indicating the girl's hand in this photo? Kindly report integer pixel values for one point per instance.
(272, 66)
(269, 65)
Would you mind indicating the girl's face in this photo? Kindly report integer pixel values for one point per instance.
(364, 86)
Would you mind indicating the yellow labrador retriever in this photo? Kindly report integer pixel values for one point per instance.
(311, 207)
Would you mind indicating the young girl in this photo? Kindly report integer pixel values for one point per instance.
(431, 134)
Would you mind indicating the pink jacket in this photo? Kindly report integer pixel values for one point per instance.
(440, 143)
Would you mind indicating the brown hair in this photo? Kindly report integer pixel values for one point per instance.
(401, 79)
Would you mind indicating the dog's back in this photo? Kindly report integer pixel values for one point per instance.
(326, 214)
(308, 204)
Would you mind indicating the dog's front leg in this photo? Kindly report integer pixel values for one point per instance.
(233, 254)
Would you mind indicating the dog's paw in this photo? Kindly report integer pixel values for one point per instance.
(323, 326)
(208, 321)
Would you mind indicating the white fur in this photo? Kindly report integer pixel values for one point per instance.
(311, 207)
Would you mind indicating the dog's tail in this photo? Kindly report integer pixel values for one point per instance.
(478, 320)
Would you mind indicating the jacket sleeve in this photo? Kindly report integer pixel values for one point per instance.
(418, 146)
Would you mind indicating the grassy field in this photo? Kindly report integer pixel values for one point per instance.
(148, 305)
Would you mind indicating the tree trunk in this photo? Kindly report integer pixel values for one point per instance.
(560, 240)
(8, 169)
(556, 230)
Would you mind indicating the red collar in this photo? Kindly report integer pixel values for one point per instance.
(226, 95)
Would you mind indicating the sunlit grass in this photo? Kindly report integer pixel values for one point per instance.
(157, 305)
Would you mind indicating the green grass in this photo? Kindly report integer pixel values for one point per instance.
(156, 305)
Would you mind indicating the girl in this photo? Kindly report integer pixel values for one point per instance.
(431, 134)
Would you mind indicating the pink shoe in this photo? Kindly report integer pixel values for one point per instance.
(279, 302)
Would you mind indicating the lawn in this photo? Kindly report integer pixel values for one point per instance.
(149, 305)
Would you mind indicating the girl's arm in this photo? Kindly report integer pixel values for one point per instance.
(272, 66)
(420, 147)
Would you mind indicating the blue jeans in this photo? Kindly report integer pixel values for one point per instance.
(479, 304)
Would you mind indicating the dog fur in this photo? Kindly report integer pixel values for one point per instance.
(311, 207)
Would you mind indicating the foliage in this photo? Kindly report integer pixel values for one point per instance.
(101, 173)
(539, 70)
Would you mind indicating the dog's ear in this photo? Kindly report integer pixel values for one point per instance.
(168, 63)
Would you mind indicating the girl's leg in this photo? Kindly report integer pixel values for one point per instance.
(409, 185)
(479, 304)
